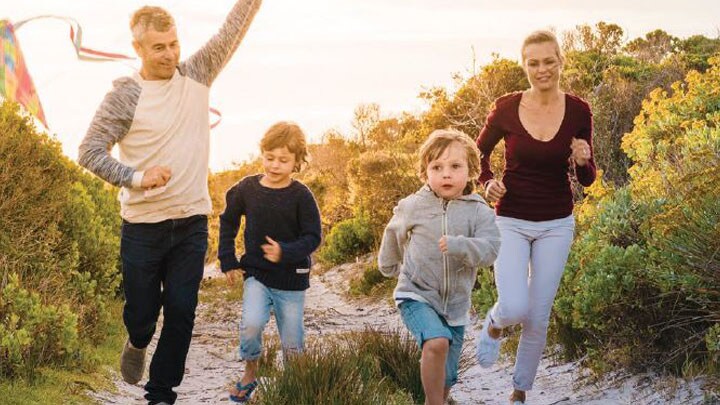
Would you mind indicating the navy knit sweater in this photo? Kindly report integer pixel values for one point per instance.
(289, 215)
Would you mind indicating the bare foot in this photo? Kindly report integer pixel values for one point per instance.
(494, 332)
(517, 395)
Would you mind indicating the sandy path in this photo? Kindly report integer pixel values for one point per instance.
(213, 360)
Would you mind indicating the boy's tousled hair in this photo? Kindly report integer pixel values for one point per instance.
(288, 134)
(540, 37)
(150, 16)
(436, 144)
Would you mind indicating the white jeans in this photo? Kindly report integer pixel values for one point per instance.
(528, 271)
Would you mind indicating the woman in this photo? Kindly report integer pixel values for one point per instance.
(547, 133)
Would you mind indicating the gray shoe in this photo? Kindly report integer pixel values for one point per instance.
(132, 363)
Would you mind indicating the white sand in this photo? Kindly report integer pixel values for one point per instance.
(213, 365)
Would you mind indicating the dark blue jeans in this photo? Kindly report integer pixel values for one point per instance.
(162, 266)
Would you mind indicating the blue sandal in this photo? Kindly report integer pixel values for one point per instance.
(249, 388)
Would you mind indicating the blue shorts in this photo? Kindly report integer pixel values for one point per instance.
(425, 324)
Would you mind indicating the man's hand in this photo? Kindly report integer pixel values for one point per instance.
(234, 275)
(580, 151)
(156, 176)
(272, 250)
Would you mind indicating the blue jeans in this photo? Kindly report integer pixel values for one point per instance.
(289, 308)
(162, 266)
(425, 324)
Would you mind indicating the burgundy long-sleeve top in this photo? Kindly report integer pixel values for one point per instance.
(536, 172)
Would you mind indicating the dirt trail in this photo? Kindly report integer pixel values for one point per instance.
(213, 358)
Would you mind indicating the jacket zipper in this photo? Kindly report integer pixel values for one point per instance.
(446, 264)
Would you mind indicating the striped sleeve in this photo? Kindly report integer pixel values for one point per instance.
(111, 123)
(206, 63)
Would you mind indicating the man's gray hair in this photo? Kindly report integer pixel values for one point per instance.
(149, 16)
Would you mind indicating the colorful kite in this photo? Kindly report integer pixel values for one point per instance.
(15, 81)
(83, 53)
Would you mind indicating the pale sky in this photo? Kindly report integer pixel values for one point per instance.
(314, 61)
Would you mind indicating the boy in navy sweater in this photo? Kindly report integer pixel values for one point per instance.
(282, 229)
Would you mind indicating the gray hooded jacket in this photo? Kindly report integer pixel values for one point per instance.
(410, 250)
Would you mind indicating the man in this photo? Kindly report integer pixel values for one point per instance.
(159, 119)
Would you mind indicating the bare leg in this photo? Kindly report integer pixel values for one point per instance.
(432, 370)
(251, 367)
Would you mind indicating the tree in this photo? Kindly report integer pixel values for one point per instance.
(366, 117)
(589, 51)
(378, 180)
(327, 176)
(604, 39)
(617, 100)
(655, 47)
(697, 49)
(473, 100)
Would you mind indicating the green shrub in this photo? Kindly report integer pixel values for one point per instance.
(33, 333)
(348, 239)
(371, 282)
(398, 356)
(59, 245)
(712, 341)
(377, 181)
(607, 293)
(347, 371)
(33, 187)
(640, 287)
(90, 232)
(485, 293)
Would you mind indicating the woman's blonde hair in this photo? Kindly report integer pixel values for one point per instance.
(539, 37)
(149, 16)
(436, 144)
(287, 134)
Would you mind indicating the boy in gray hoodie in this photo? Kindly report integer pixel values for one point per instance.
(435, 243)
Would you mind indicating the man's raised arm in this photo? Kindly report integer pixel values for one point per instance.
(206, 63)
